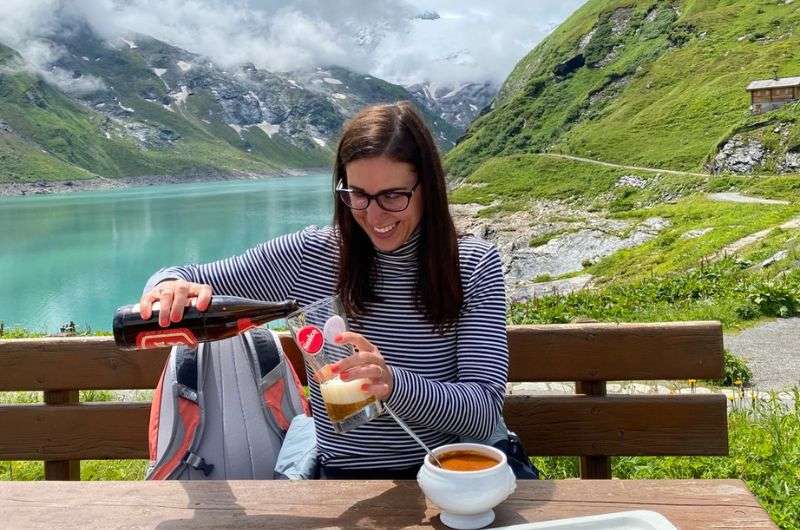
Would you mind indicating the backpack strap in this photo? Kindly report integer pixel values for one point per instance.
(267, 352)
(282, 394)
(189, 410)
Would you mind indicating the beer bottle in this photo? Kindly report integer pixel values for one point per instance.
(225, 317)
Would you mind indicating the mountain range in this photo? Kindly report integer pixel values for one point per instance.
(136, 106)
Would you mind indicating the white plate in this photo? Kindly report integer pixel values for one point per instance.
(634, 520)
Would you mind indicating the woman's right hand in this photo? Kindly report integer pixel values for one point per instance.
(173, 296)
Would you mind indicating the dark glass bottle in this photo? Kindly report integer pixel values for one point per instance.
(225, 317)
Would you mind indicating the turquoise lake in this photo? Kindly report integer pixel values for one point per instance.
(78, 256)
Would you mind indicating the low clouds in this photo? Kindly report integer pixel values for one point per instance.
(26, 25)
(470, 41)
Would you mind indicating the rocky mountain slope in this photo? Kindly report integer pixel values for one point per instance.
(137, 106)
(458, 105)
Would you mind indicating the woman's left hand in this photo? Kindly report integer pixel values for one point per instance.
(367, 362)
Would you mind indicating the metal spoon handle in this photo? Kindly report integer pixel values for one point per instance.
(416, 438)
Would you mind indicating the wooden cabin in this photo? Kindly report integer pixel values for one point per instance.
(770, 94)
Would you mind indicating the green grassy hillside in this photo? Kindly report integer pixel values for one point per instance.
(54, 138)
(663, 85)
(150, 108)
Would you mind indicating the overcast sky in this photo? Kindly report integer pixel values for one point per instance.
(472, 40)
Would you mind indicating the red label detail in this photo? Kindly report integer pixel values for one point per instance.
(165, 337)
(243, 324)
(310, 339)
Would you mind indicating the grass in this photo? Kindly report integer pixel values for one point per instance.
(670, 251)
(674, 93)
(512, 182)
(518, 182)
(764, 442)
(726, 291)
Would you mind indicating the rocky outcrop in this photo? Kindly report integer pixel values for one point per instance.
(457, 105)
(740, 156)
(631, 181)
(747, 151)
(574, 251)
(579, 239)
(569, 66)
(790, 163)
(522, 291)
(620, 20)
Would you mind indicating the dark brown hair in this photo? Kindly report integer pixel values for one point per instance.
(397, 132)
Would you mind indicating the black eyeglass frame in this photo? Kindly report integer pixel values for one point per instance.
(408, 194)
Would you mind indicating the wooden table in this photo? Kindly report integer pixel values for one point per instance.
(350, 504)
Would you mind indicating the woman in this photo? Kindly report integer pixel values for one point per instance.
(427, 309)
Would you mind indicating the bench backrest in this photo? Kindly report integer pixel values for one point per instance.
(591, 424)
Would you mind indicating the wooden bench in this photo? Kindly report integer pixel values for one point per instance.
(590, 424)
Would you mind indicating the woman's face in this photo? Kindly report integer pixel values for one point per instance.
(387, 230)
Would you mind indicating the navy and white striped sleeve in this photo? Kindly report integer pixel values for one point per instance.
(265, 272)
(472, 405)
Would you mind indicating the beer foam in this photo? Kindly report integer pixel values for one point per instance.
(338, 392)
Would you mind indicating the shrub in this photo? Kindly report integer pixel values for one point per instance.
(735, 371)
(776, 299)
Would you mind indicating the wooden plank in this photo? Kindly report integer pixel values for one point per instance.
(62, 469)
(281, 504)
(84, 363)
(615, 352)
(89, 363)
(74, 432)
(562, 352)
(592, 466)
(620, 425)
(548, 425)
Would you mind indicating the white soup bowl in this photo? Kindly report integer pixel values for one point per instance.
(466, 498)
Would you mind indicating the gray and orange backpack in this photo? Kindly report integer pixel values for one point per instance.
(222, 409)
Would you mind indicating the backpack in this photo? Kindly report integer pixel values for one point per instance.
(221, 410)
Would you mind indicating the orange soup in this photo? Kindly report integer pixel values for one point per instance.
(466, 461)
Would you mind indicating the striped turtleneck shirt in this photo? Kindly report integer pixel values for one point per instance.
(446, 386)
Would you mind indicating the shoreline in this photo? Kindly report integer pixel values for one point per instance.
(50, 187)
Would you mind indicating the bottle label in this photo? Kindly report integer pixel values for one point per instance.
(310, 339)
(243, 324)
(165, 337)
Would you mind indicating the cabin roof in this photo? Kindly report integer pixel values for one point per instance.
(783, 82)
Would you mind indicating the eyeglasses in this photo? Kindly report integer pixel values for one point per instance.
(389, 200)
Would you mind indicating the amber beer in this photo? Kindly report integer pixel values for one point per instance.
(344, 399)
(225, 317)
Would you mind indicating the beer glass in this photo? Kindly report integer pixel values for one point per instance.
(314, 328)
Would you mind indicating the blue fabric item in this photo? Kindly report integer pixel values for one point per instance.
(297, 458)
(518, 459)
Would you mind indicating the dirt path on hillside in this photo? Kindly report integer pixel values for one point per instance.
(622, 166)
(743, 199)
(746, 241)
